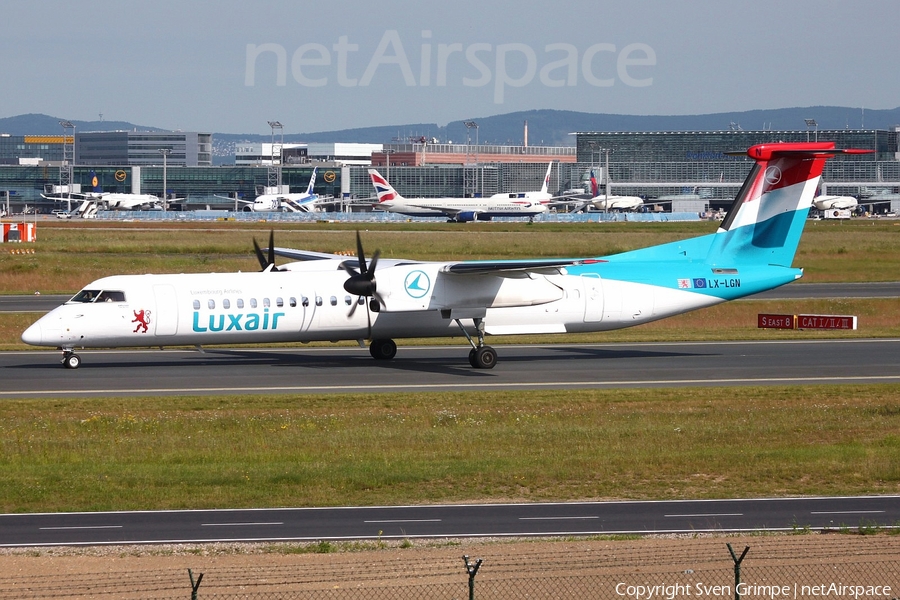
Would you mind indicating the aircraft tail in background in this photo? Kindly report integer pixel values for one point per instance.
(383, 189)
(312, 183)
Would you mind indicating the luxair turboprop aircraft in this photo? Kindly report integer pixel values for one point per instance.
(330, 297)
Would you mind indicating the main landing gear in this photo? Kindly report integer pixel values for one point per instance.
(70, 360)
(383, 349)
(480, 356)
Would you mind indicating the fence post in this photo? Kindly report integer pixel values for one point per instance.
(472, 570)
(737, 569)
(194, 584)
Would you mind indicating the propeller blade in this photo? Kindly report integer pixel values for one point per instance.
(259, 256)
(360, 254)
(266, 263)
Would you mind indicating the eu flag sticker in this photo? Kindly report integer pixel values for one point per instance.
(699, 283)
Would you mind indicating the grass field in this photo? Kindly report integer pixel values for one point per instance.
(69, 255)
(176, 452)
(154, 453)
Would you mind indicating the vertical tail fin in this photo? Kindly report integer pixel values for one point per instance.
(312, 182)
(766, 219)
(383, 189)
(546, 179)
(595, 187)
(95, 183)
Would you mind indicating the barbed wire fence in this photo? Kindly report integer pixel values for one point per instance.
(715, 572)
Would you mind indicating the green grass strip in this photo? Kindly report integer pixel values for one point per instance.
(252, 451)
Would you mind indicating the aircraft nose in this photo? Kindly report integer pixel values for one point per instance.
(33, 335)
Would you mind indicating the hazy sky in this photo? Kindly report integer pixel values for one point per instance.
(231, 65)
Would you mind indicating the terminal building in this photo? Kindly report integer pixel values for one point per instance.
(654, 165)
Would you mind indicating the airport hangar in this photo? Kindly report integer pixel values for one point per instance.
(649, 164)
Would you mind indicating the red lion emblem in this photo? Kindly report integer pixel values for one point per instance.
(142, 318)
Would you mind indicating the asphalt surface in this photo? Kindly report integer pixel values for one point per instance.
(313, 370)
(338, 370)
(484, 520)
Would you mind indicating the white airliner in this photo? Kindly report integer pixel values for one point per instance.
(330, 297)
(612, 202)
(90, 202)
(300, 202)
(834, 202)
(524, 204)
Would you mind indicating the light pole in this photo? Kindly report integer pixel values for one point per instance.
(68, 160)
(387, 158)
(469, 125)
(165, 153)
(811, 123)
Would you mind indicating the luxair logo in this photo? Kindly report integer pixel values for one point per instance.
(417, 284)
(237, 321)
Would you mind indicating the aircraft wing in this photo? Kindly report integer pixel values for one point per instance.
(450, 212)
(305, 254)
(471, 267)
(242, 201)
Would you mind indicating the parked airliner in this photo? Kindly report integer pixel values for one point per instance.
(524, 204)
(329, 297)
(298, 202)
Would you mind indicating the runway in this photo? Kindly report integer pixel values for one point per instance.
(457, 521)
(342, 370)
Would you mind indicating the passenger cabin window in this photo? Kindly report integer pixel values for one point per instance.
(318, 300)
(279, 302)
(196, 305)
(226, 303)
(252, 302)
(240, 303)
(292, 302)
(304, 301)
(211, 303)
(266, 303)
(333, 300)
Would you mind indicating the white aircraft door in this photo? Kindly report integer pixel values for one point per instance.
(166, 317)
(593, 298)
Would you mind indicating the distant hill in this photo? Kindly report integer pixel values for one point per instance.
(553, 127)
(38, 124)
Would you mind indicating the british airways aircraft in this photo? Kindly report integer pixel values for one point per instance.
(462, 210)
(329, 297)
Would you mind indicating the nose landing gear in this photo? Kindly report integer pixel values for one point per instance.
(71, 360)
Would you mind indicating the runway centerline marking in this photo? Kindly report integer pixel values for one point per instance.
(557, 518)
(847, 512)
(404, 521)
(238, 524)
(82, 527)
(706, 515)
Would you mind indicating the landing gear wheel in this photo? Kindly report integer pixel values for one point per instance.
(472, 360)
(484, 358)
(71, 360)
(383, 349)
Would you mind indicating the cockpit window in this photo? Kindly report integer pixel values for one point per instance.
(85, 296)
(99, 296)
(111, 296)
